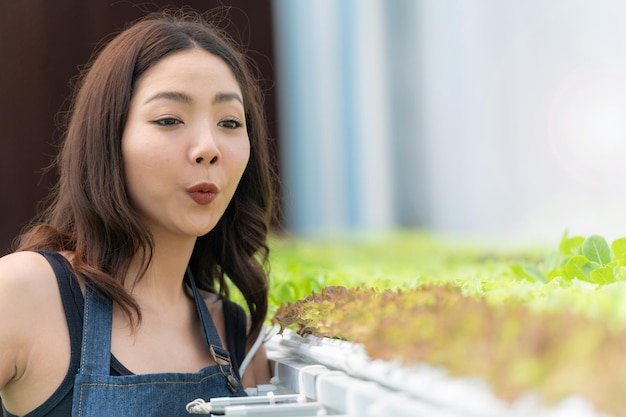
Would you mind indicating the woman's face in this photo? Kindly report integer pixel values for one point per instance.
(185, 144)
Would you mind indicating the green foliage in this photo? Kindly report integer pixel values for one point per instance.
(588, 259)
(512, 347)
(523, 321)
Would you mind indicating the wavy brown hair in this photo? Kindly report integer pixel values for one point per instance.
(88, 211)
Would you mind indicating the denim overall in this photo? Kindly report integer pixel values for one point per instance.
(97, 393)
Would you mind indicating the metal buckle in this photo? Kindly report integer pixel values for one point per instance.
(231, 381)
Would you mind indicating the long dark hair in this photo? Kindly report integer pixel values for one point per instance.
(89, 212)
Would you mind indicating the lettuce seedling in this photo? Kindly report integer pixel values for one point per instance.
(588, 259)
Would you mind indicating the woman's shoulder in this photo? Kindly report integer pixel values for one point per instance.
(37, 330)
(26, 285)
(26, 281)
(24, 271)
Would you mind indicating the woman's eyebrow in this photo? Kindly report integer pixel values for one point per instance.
(224, 97)
(172, 96)
(186, 98)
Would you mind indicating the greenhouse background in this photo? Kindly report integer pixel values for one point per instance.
(497, 119)
(489, 119)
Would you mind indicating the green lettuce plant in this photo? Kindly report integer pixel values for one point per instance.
(589, 259)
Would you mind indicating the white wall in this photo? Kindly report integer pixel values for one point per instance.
(498, 118)
(332, 94)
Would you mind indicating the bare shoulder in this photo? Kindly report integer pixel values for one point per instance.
(33, 329)
(25, 284)
(23, 274)
(26, 281)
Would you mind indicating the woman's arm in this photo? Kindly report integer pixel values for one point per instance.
(13, 328)
(257, 367)
(32, 331)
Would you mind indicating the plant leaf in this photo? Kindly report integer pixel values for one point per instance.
(603, 275)
(529, 272)
(619, 248)
(569, 245)
(577, 267)
(596, 249)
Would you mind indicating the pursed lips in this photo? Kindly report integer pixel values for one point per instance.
(203, 193)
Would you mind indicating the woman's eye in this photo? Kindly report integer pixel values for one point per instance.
(230, 124)
(167, 121)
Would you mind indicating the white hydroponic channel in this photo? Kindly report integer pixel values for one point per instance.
(316, 377)
(343, 380)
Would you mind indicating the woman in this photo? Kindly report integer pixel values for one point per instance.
(116, 301)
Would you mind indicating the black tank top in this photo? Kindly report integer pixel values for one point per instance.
(60, 403)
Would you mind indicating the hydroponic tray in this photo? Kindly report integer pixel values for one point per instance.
(345, 381)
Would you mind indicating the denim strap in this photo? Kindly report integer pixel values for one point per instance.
(211, 336)
(96, 345)
(210, 332)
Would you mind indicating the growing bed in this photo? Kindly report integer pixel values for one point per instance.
(456, 328)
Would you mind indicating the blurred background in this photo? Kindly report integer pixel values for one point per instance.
(490, 119)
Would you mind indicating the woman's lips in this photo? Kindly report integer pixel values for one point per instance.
(203, 193)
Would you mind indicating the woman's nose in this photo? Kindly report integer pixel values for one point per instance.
(200, 159)
(206, 150)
